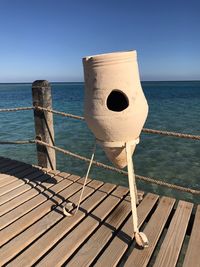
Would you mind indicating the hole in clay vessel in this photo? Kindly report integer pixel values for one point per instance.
(117, 101)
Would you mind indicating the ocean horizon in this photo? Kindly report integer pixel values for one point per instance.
(142, 81)
(173, 106)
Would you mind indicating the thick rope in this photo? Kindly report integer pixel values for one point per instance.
(15, 109)
(99, 164)
(174, 134)
(107, 167)
(20, 142)
(139, 177)
(102, 165)
(144, 130)
(61, 113)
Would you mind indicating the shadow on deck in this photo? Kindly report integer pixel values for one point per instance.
(34, 230)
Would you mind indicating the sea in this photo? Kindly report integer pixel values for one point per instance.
(173, 106)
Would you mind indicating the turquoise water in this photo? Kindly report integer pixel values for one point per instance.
(174, 106)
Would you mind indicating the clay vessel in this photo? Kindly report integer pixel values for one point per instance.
(115, 107)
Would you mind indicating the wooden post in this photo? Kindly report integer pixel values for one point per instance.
(41, 93)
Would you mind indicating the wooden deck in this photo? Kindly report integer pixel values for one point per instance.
(35, 232)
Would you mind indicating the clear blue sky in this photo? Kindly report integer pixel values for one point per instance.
(46, 39)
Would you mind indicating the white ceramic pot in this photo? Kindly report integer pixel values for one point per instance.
(115, 107)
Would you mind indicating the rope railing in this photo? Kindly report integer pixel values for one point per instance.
(18, 142)
(61, 113)
(139, 177)
(15, 109)
(99, 164)
(172, 134)
(105, 166)
(72, 116)
(144, 130)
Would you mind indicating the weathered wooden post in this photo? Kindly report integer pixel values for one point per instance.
(41, 94)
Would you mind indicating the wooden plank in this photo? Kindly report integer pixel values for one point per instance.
(34, 180)
(171, 246)
(119, 192)
(21, 170)
(123, 239)
(13, 169)
(4, 161)
(8, 188)
(35, 214)
(23, 174)
(15, 192)
(37, 249)
(35, 170)
(153, 230)
(9, 166)
(9, 250)
(192, 257)
(31, 181)
(49, 190)
(74, 239)
(52, 171)
(25, 196)
(7, 179)
(3, 164)
(73, 178)
(88, 252)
